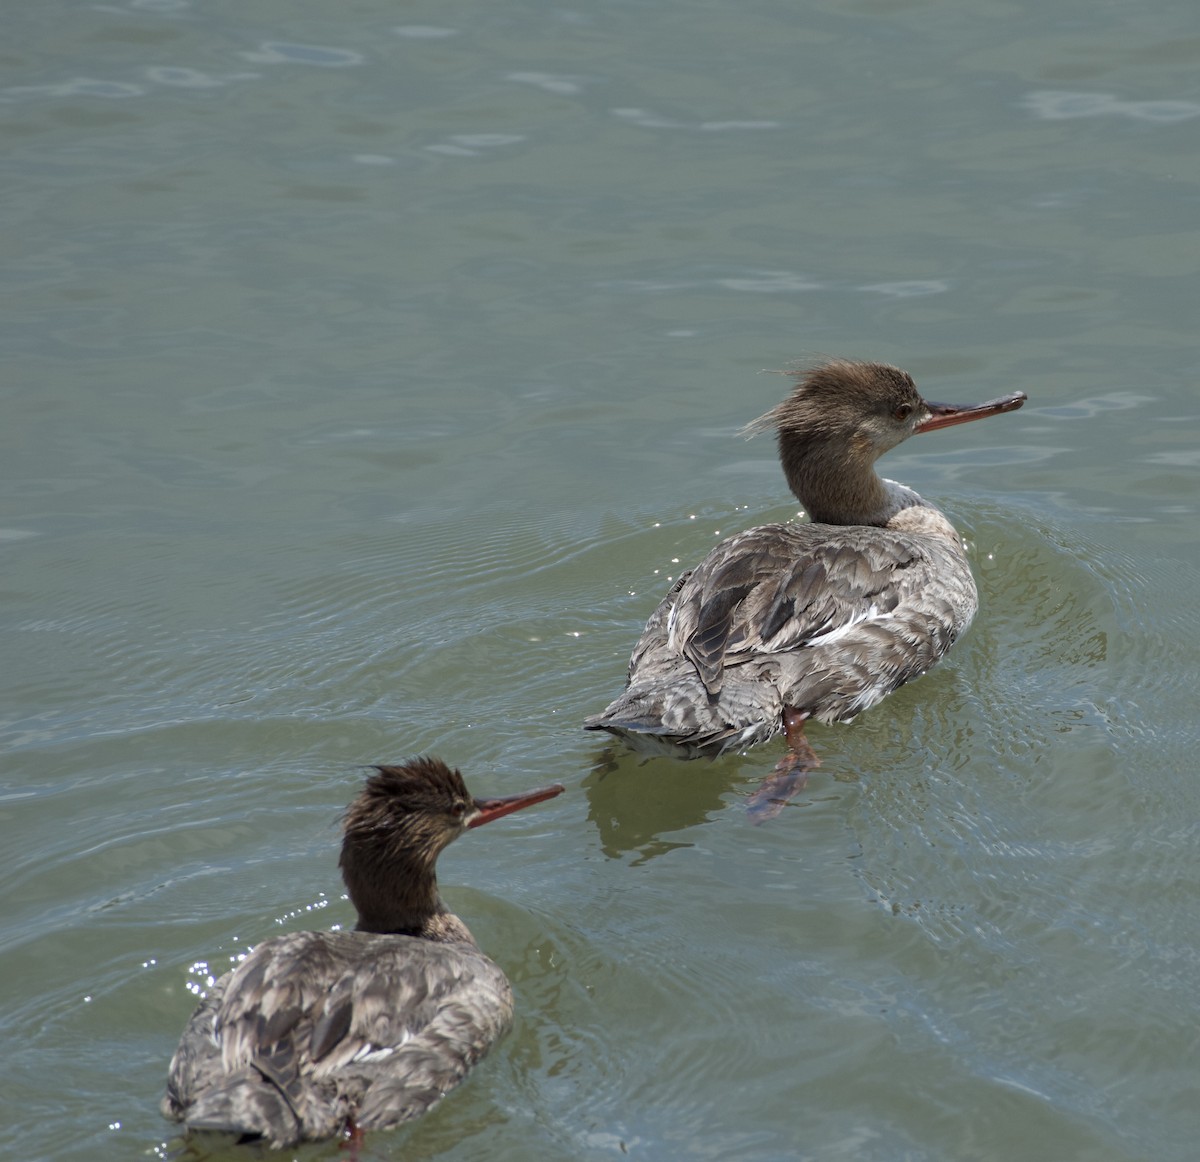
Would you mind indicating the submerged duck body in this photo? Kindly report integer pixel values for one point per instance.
(322, 1033)
(789, 622)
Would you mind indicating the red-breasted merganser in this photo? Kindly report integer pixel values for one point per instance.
(316, 1034)
(787, 622)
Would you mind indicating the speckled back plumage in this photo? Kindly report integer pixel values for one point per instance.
(315, 1027)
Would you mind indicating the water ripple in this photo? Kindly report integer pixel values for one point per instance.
(550, 82)
(1063, 105)
(274, 52)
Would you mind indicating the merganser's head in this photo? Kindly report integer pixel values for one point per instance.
(840, 418)
(403, 819)
(867, 408)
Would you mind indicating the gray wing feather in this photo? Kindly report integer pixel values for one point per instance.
(776, 588)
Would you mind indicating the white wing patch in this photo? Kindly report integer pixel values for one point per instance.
(374, 1052)
(871, 613)
(747, 736)
(672, 619)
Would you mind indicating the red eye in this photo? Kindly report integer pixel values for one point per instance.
(902, 411)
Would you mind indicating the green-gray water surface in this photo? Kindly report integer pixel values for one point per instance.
(369, 370)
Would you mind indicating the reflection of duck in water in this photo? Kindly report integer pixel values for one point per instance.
(787, 622)
(321, 1033)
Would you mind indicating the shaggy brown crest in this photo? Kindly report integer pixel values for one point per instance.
(838, 391)
(396, 799)
(839, 419)
(393, 833)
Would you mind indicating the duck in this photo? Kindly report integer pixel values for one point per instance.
(323, 1034)
(788, 623)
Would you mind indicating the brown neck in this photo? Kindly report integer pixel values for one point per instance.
(836, 485)
(405, 902)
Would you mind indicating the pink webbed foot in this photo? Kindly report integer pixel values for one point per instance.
(790, 775)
